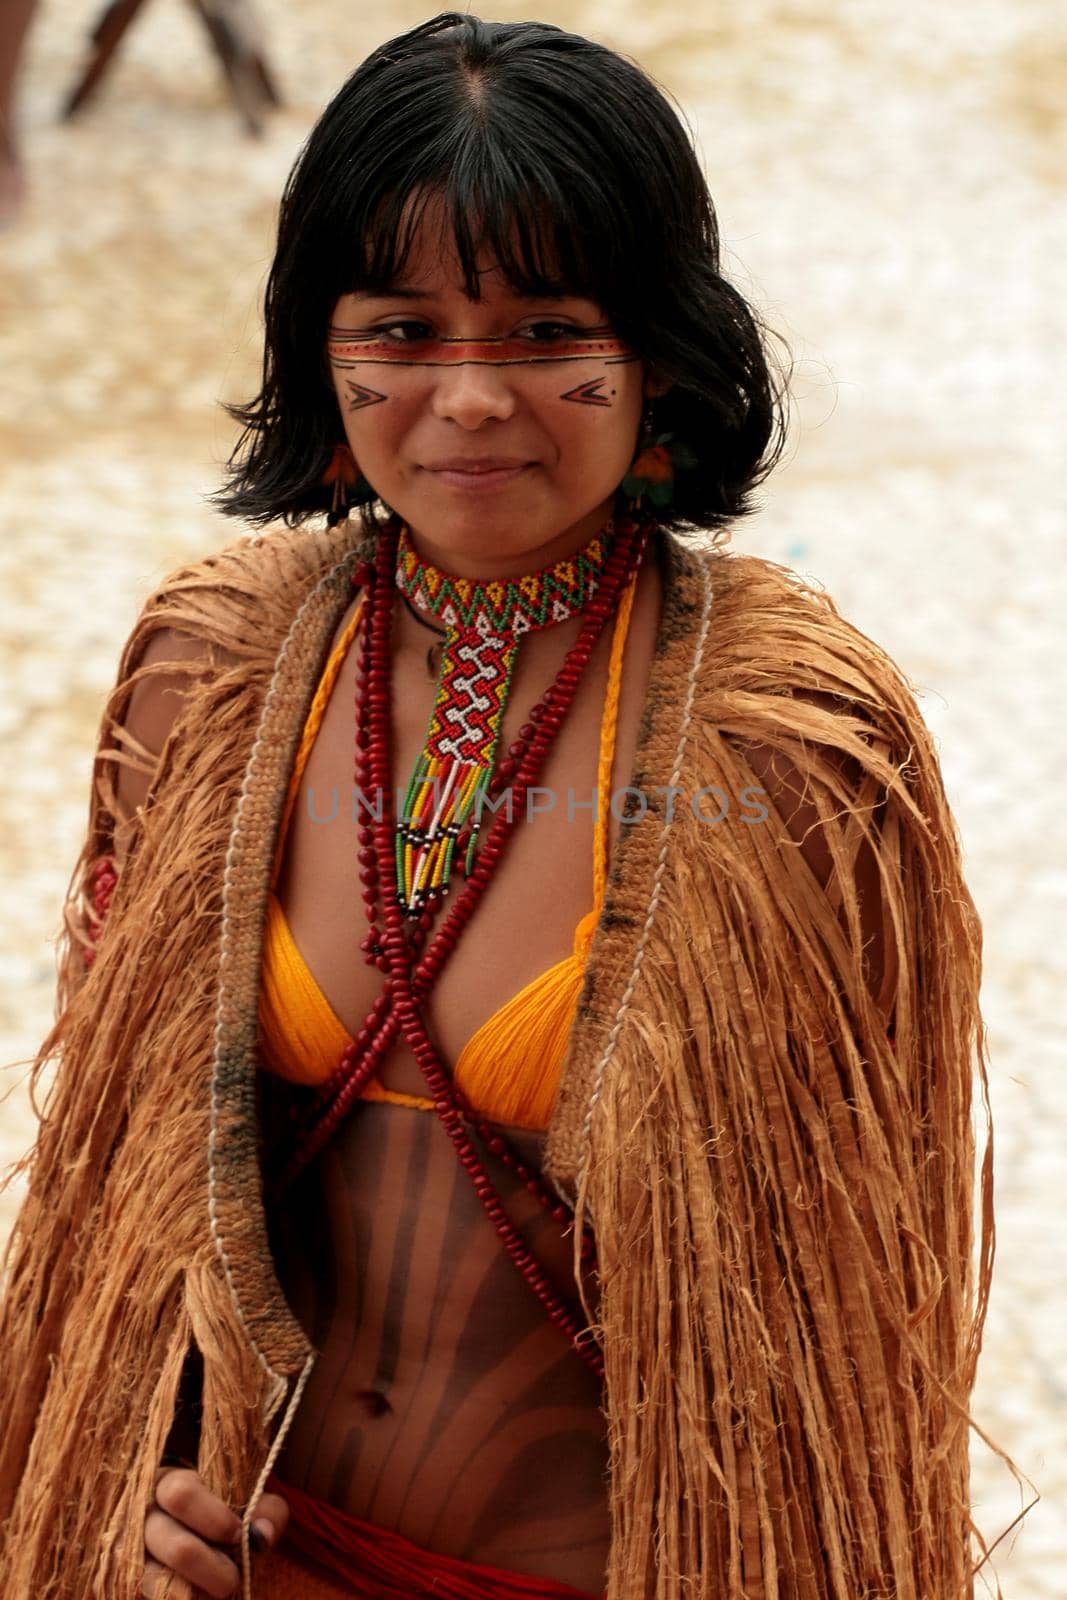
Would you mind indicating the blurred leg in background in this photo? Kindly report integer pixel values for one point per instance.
(14, 24)
(235, 37)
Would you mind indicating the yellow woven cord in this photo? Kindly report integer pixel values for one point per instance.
(510, 1067)
(311, 729)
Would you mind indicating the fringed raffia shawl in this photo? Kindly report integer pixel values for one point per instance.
(788, 1307)
(782, 1197)
(113, 1271)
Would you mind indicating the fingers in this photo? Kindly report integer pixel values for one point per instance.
(186, 1525)
(175, 1546)
(180, 1531)
(188, 1500)
(273, 1509)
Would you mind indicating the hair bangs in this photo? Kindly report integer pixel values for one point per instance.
(492, 207)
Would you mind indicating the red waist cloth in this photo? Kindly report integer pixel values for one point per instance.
(325, 1552)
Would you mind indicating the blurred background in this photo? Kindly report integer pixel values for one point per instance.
(890, 185)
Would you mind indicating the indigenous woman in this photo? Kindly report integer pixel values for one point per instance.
(511, 1134)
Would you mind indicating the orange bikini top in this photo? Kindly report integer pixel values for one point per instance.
(510, 1068)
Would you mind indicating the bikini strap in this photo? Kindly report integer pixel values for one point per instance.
(311, 729)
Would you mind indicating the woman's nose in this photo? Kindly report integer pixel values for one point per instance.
(473, 392)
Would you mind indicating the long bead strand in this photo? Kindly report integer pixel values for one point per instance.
(396, 1008)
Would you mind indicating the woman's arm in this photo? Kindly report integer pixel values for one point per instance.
(155, 705)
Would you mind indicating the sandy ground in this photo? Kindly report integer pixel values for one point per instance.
(889, 180)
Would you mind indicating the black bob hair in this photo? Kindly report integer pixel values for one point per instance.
(569, 166)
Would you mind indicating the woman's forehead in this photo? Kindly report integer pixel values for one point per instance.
(423, 255)
(440, 283)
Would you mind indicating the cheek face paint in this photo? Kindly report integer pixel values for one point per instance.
(359, 396)
(590, 393)
(349, 347)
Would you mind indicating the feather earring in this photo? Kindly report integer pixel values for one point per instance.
(651, 473)
(344, 475)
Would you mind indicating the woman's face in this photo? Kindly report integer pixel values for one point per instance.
(498, 429)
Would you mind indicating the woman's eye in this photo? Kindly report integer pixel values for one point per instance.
(545, 332)
(410, 331)
(404, 332)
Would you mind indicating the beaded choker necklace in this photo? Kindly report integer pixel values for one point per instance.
(484, 622)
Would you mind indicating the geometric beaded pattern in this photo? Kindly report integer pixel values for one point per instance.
(473, 684)
(484, 621)
(509, 605)
(452, 775)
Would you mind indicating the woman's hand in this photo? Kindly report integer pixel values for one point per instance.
(186, 1525)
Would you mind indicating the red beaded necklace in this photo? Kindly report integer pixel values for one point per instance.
(395, 943)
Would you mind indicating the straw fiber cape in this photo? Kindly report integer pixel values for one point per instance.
(781, 1192)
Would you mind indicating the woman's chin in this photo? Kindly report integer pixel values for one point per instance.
(485, 524)
(506, 531)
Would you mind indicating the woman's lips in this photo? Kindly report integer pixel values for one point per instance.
(478, 475)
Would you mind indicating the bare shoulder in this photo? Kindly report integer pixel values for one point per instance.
(166, 670)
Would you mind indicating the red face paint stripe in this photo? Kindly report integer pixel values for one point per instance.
(455, 352)
(483, 358)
